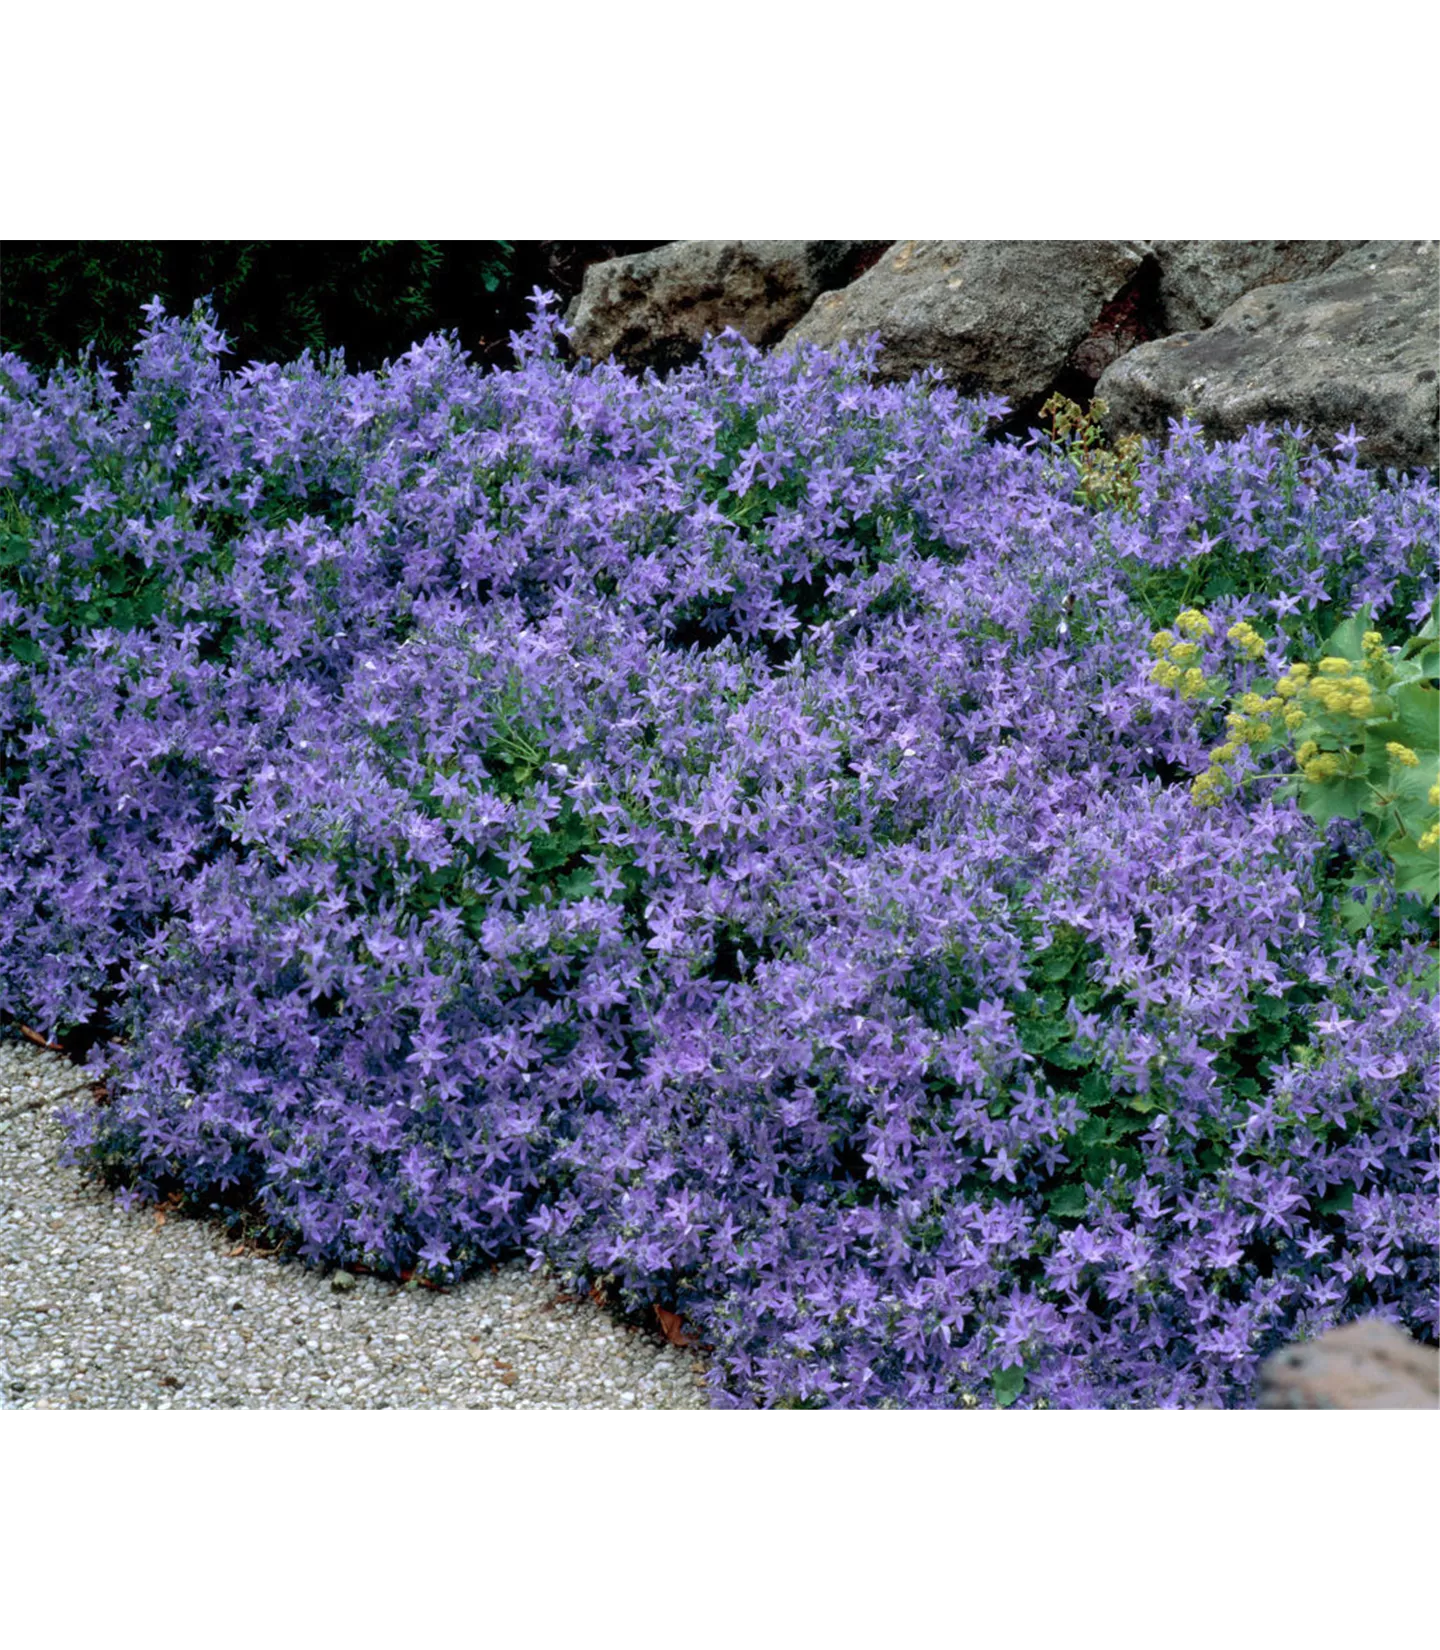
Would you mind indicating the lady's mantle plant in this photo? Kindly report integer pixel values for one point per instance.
(719, 833)
(1361, 725)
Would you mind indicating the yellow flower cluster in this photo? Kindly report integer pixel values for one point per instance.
(1249, 640)
(1178, 662)
(1187, 683)
(1209, 787)
(1340, 689)
(1325, 766)
(1251, 724)
(1377, 658)
(1335, 687)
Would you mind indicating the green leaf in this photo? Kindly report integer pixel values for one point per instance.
(1096, 1092)
(1417, 872)
(1341, 1200)
(1007, 1384)
(1058, 963)
(1402, 812)
(1069, 1057)
(578, 885)
(1334, 799)
(1346, 640)
(1417, 712)
(1038, 1036)
(1068, 1202)
(1355, 917)
(1427, 636)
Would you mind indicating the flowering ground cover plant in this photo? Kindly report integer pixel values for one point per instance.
(723, 834)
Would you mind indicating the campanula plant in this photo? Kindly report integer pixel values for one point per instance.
(720, 833)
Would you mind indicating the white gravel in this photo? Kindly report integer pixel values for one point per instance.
(104, 1309)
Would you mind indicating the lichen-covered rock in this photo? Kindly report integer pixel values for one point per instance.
(1357, 345)
(1324, 334)
(1365, 1365)
(653, 309)
(1197, 280)
(1001, 317)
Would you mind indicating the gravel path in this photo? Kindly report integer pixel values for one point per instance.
(104, 1309)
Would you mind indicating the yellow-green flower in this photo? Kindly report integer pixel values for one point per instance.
(1347, 698)
(1322, 768)
(1402, 754)
(1249, 640)
(1208, 788)
(1193, 623)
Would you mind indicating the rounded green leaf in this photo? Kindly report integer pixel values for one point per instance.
(1417, 715)
(1334, 799)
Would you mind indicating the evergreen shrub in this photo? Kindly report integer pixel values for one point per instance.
(276, 299)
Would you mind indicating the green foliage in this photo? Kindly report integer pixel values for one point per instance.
(1218, 568)
(73, 560)
(1064, 984)
(1362, 725)
(1108, 477)
(555, 858)
(111, 587)
(1007, 1385)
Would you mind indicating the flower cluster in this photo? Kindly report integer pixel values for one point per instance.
(1177, 663)
(1362, 724)
(714, 832)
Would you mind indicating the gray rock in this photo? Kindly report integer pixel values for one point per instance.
(653, 309)
(1357, 344)
(1319, 333)
(1369, 1364)
(342, 1282)
(1197, 280)
(1004, 318)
